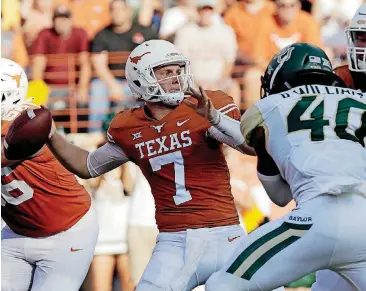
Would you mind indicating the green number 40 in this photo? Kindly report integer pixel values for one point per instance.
(317, 122)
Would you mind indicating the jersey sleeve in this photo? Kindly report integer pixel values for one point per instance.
(224, 104)
(227, 128)
(117, 124)
(105, 159)
(251, 119)
(344, 73)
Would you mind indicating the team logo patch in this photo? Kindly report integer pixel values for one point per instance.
(158, 128)
(326, 63)
(265, 247)
(136, 135)
(300, 219)
(16, 78)
(315, 59)
(180, 123)
(284, 55)
(136, 59)
(231, 238)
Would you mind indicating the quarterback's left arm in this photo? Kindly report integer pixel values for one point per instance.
(227, 130)
(221, 111)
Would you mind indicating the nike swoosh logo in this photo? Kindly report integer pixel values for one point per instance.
(74, 250)
(361, 13)
(230, 239)
(180, 123)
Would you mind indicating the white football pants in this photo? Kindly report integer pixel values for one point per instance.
(183, 260)
(58, 263)
(326, 232)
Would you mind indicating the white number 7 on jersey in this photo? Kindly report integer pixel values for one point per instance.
(181, 193)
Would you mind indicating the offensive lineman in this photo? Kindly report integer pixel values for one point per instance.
(51, 229)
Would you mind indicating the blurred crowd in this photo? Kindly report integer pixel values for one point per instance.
(78, 48)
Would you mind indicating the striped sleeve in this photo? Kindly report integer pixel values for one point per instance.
(224, 104)
(231, 110)
(110, 138)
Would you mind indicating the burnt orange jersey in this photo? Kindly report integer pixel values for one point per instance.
(186, 170)
(39, 196)
(353, 80)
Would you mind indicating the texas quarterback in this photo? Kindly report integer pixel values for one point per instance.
(51, 230)
(176, 141)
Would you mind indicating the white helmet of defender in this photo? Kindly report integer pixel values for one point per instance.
(356, 39)
(14, 85)
(140, 72)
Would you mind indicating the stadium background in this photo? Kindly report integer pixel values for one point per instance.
(75, 64)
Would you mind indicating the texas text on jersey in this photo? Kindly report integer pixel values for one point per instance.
(39, 196)
(173, 154)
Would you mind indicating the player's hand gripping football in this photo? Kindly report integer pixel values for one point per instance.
(204, 106)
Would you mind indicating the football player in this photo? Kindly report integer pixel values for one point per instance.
(354, 76)
(51, 230)
(176, 141)
(309, 135)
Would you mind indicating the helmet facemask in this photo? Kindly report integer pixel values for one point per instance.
(152, 85)
(12, 101)
(356, 49)
(171, 87)
(9, 100)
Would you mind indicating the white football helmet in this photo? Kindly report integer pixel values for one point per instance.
(14, 85)
(356, 53)
(140, 72)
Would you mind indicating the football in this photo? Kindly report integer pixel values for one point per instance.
(28, 133)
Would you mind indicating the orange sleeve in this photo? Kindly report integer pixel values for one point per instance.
(224, 103)
(20, 54)
(116, 125)
(344, 73)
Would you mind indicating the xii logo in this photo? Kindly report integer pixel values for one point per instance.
(136, 135)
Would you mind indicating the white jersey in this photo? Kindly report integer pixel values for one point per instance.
(316, 136)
